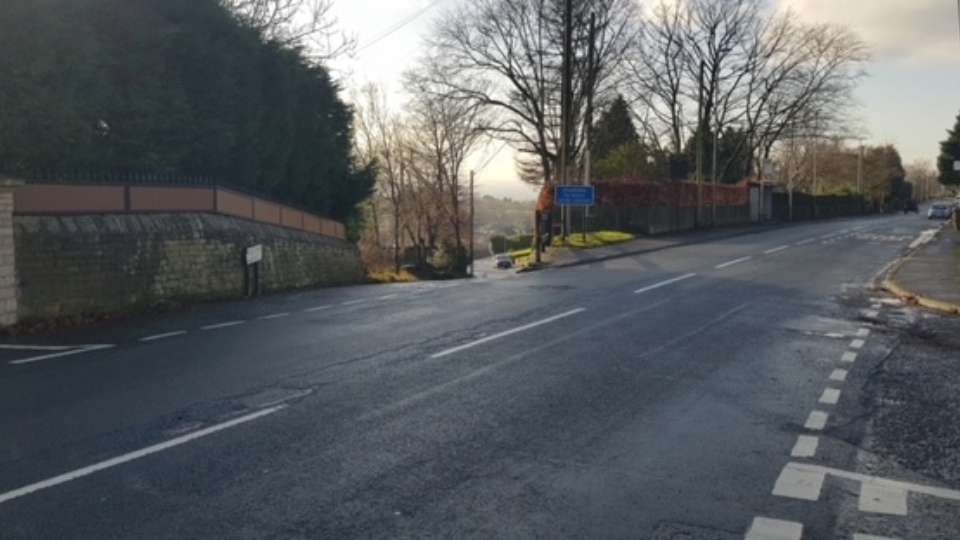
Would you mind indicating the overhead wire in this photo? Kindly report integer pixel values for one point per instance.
(396, 27)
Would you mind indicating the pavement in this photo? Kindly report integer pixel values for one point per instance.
(930, 275)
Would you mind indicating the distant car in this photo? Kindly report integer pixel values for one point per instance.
(939, 211)
(502, 261)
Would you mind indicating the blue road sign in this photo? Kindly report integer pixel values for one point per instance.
(575, 195)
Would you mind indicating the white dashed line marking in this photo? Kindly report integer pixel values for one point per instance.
(733, 262)
(830, 396)
(274, 316)
(663, 284)
(849, 357)
(859, 536)
(871, 313)
(799, 483)
(882, 500)
(507, 333)
(805, 447)
(807, 241)
(81, 350)
(223, 325)
(863, 332)
(857, 344)
(816, 421)
(388, 296)
(126, 458)
(318, 308)
(163, 336)
(839, 375)
(354, 302)
(774, 529)
(37, 347)
(776, 249)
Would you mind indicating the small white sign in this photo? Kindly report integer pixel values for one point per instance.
(254, 254)
(956, 165)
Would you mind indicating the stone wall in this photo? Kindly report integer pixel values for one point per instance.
(104, 263)
(8, 281)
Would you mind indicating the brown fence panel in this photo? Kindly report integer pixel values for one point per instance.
(234, 204)
(311, 224)
(265, 212)
(291, 218)
(67, 199)
(171, 199)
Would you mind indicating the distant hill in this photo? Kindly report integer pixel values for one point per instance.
(495, 216)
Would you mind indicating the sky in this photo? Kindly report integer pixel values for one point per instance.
(909, 99)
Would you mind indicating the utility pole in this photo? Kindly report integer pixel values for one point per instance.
(860, 178)
(699, 174)
(472, 235)
(565, 106)
(588, 120)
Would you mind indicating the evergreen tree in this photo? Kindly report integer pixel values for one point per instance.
(949, 153)
(613, 129)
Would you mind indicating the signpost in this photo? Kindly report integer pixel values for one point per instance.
(575, 195)
(252, 256)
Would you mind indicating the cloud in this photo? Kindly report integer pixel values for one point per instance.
(919, 33)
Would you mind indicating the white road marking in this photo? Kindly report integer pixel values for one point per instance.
(163, 336)
(799, 483)
(663, 283)
(878, 306)
(849, 357)
(830, 396)
(839, 375)
(925, 237)
(776, 249)
(39, 347)
(857, 344)
(354, 302)
(805, 447)
(126, 458)
(863, 332)
(875, 481)
(816, 421)
(733, 262)
(222, 325)
(81, 350)
(318, 308)
(871, 313)
(507, 333)
(388, 296)
(774, 529)
(274, 316)
(882, 500)
(807, 241)
(858, 536)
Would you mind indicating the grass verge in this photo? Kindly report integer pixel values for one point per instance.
(392, 277)
(594, 239)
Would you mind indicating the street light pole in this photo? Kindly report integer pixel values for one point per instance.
(565, 107)
(699, 175)
(860, 178)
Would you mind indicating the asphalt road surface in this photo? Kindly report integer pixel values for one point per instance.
(707, 391)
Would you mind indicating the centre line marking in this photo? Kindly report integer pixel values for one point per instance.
(839, 375)
(733, 262)
(507, 333)
(126, 458)
(816, 421)
(388, 296)
(807, 241)
(354, 302)
(830, 396)
(222, 325)
(663, 284)
(37, 347)
(774, 529)
(163, 336)
(274, 316)
(81, 350)
(318, 308)
(806, 447)
(857, 344)
(776, 249)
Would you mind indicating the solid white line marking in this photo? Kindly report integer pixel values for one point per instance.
(84, 349)
(863, 332)
(274, 316)
(839, 375)
(663, 284)
(799, 484)
(39, 347)
(882, 500)
(806, 447)
(816, 421)
(354, 302)
(776, 249)
(222, 325)
(318, 308)
(857, 344)
(807, 241)
(507, 333)
(941, 493)
(858, 536)
(126, 458)
(830, 396)
(774, 529)
(733, 262)
(849, 357)
(871, 313)
(163, 336)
